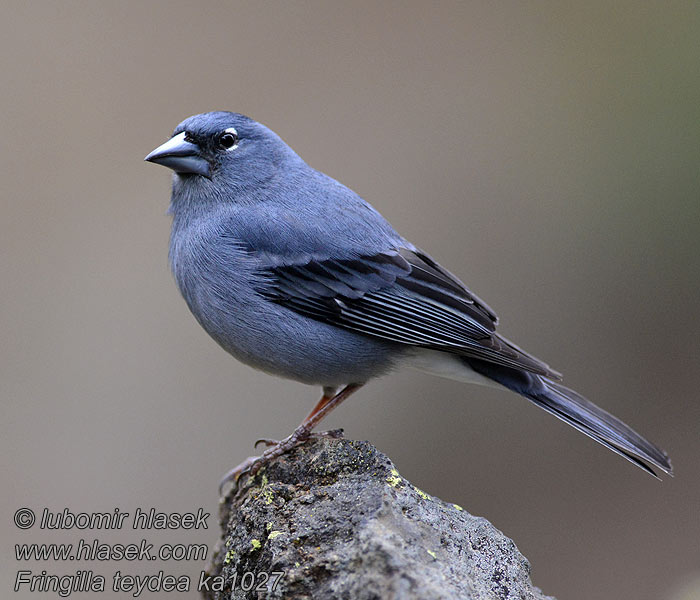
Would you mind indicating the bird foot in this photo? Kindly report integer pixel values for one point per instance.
(251, 465)
(332, 434)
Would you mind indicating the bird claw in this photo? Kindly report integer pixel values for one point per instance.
(251, 465)
(334, 434)
(235, 474)
(266, 441)
(331, 433)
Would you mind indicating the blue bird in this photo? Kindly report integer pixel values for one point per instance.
(294, 274)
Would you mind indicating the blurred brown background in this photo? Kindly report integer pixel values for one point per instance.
(548, 153)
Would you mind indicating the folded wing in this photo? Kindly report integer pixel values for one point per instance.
(402, 296)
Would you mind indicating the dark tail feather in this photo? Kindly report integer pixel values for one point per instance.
(580, 413)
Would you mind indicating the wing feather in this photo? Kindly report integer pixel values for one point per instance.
(402, 296)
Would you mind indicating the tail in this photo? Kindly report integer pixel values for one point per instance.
(582, 414)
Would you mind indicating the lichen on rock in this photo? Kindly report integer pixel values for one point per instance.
(337, 519)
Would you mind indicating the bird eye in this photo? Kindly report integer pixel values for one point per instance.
(228, 139)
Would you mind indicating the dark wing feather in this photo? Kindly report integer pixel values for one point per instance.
(403, 297)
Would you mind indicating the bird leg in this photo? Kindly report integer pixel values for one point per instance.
(328, 394)
(330, 399)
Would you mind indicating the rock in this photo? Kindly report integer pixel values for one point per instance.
(338, 520)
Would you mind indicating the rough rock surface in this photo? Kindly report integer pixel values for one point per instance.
(337, 518)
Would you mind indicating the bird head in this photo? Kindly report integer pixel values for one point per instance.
(224, 149)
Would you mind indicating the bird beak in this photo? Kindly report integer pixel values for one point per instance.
(181, 156)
